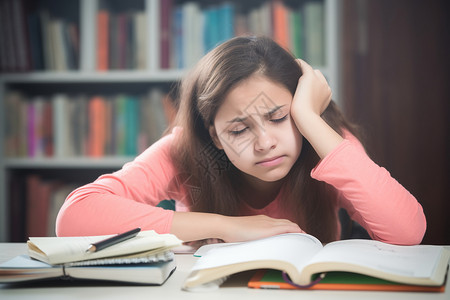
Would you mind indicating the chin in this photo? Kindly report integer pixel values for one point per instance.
(273, 177)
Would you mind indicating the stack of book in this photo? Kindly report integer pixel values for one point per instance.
(36, 39)
(121, 40)
(143, 259)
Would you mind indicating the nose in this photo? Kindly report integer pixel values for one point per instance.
(265, 141)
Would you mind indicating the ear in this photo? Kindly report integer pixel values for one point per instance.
(214, 137)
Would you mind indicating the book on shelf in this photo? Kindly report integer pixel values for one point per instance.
(140, 40)
(195, 31)
(37, 38)
(121, 39)
(97, 117)
(57, 196)
(303, 257)
(61, 119)
(43, 200)
(36, 200)
(297, 33)
(196, 28)
(110, 38)
(281, 26)
(88, 126)
(17, 200)
(144, 259)
(314, 34)
(165, 33)
(103, 36)
(37, 205)
(59, 42)
(13, 54)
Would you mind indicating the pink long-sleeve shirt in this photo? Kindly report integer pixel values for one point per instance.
(128, 198)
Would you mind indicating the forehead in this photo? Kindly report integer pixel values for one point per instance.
(256, 93)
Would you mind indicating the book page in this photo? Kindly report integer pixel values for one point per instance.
(59, 250)
(23, 268)
(24, 262)
(205, 248)
(292, 247)
(410, 261)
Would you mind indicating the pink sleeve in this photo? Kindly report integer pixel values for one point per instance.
(123, 200)
(371, 196)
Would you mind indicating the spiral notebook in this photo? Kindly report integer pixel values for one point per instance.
(152, 270)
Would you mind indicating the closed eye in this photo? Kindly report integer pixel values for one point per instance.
(280, 119)
(238, 132)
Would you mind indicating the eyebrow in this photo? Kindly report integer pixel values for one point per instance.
(269, 113)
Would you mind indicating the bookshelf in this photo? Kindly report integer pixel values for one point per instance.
(86, 78)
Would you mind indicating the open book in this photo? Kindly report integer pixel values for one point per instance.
(62, 250)
(302, 256)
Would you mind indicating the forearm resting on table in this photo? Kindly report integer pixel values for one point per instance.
(191, 226)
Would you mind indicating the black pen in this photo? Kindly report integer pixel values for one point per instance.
(113, 240)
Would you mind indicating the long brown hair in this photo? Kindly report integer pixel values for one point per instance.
(207, 174)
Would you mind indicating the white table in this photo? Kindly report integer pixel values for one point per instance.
(234, 288)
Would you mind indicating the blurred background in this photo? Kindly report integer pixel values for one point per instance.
(396, 72)
(86, 85)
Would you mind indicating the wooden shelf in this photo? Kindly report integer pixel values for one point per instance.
(104, 77)
(113, 162)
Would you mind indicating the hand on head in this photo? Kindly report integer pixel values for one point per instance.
(313, 93)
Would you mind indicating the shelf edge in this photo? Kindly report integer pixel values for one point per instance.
(66, 162)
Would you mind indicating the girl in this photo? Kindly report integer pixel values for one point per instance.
(258, 149)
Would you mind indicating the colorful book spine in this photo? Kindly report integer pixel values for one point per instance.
(97, 128)
(165, 33)
(102, 40)
(281, 29)
(38, 193)
(296, 33)
(47, 129)
(30, 129)
(122, 39)
(314, 33)
(59, 103)
(177, 38)
(131, 127)
(227, 27)
(120, 132)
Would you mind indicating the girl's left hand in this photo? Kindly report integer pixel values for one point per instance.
(313, 93)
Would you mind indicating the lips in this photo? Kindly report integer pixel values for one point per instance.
(273, 161)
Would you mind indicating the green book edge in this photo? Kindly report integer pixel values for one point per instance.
(332, 277)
